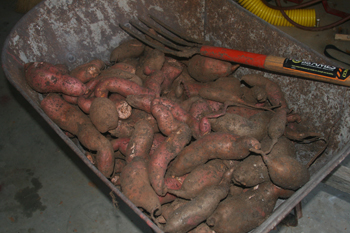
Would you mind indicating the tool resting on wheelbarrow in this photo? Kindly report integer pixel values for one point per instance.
(182, 46)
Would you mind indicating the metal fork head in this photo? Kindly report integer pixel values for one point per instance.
(179, 45)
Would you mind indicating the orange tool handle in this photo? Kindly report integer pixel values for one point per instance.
(310, 70)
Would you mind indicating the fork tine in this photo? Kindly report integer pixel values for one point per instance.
(183, 36)
(182, 53)
(155, 37)
(176, 40)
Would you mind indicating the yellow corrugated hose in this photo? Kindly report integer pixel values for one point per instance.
(305, 17)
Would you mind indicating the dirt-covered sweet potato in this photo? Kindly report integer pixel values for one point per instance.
(200, 178)
(284, 168)
(250, 172)
(244, 212)
(205, 69)
(104, 114)
(88, 71)
(129, 49)
(119, 73)
(121, 86)
(171, 69)
(73, 120)
(194, 212)
(211, 146)
(273, 91)
(256, 94)
(136, 187)
(142, 102)
(44, 77)
(255, 126)
(123, 108)
(178, 138)
(198, 128)
(125, 127)
(140, 142)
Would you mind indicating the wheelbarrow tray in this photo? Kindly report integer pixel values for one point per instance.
(73, 32)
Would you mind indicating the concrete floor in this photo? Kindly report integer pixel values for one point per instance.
(45, 187)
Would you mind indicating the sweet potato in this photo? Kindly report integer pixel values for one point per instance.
(119, 164)
(201, 228)
(200, 178)
(256, 94)
(44, 77)
(117, 72)
(84, 103)
(123, 108)
(243, 111)
(276, 126)
(153, 61)
(136, 187)
(250, 172)
(142, 102)
(129, 49)
(198, 128)
(125, 127)
(120, 144)
(125, 67)
(70, 99)
(211, 146)
(273, 91)
(255, 126)
(199, 208)
(140, 142)
(170, 208)
(171, 69)
(226, 97)
(154, 81)
(284, 169)
(158, 139)
(121, 86)
(88, 71)
(166, 152)
(205, 69)
(104, 114)
(71, 119)
(171, 183)
(244, 212)
(300, 133)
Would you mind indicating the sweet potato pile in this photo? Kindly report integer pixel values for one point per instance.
(193, 146)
